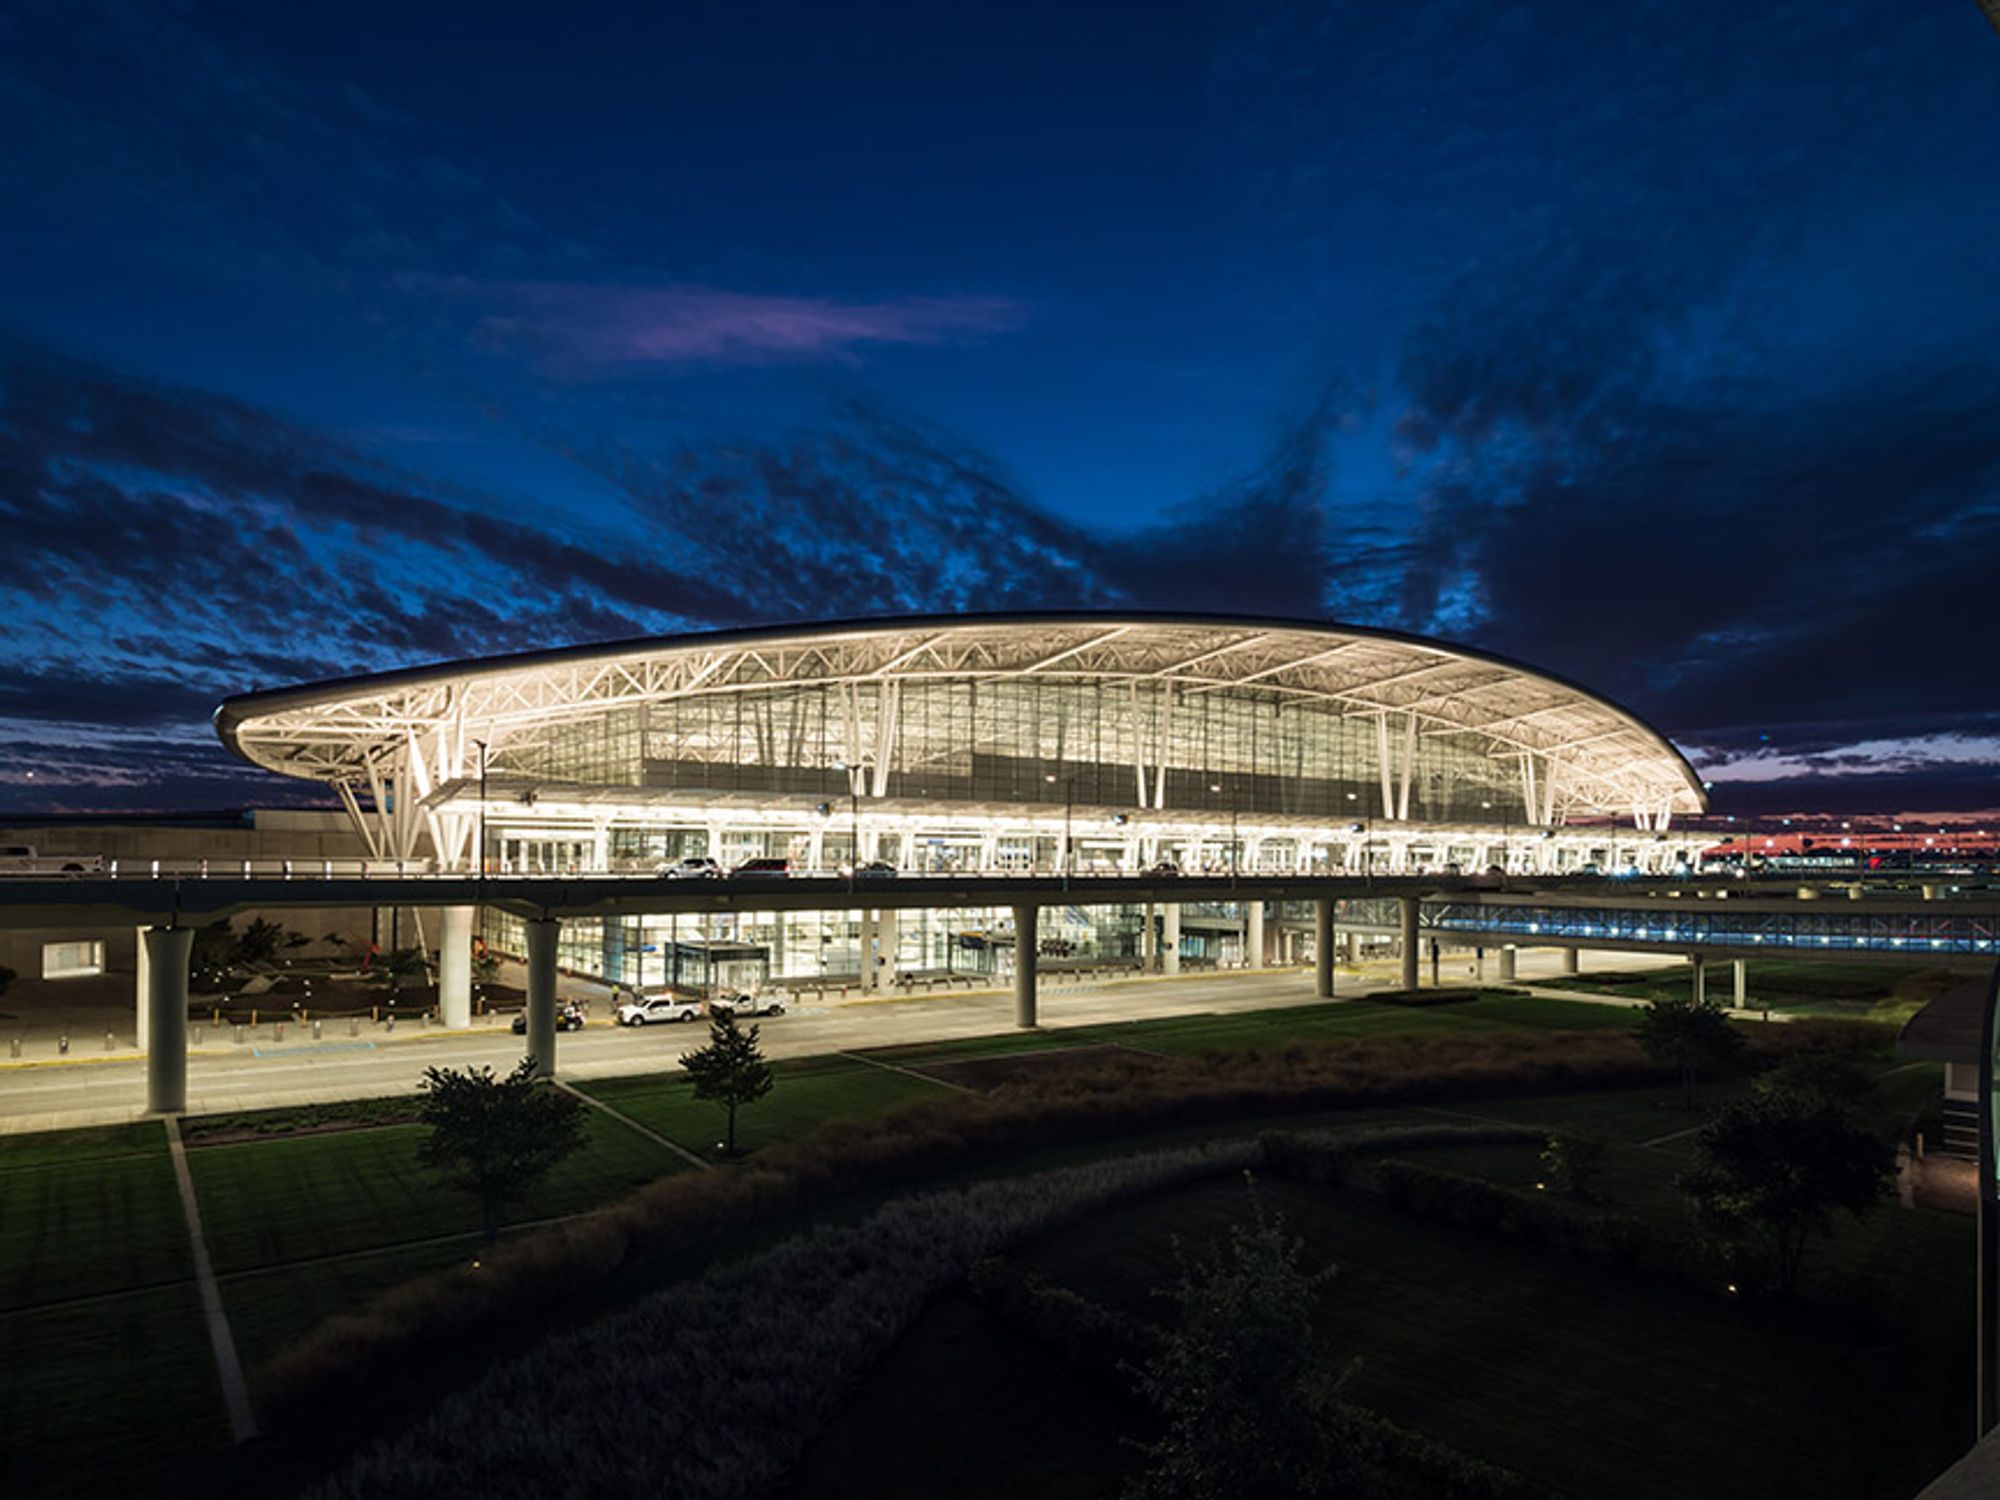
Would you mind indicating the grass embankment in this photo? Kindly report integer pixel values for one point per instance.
(1579, 1377)
(1798, 986)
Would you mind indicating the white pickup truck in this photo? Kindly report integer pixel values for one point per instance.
(21, 859)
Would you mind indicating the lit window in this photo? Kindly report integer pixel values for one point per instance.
(72, 960)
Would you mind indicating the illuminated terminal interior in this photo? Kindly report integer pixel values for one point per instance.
(1078, 743)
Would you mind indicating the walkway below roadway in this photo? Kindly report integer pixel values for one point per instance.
(265, 1072)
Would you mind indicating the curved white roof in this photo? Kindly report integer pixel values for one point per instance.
(1605, 758)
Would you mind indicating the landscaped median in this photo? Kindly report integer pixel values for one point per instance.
(1103, 1097)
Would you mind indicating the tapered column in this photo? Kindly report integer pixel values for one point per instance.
(1323, 947)
(455, 968)
(1409, 934)
(1170, 943)
(543, 933)
(167, 950)
(1698, 968)
(1027, 945)
(1741, 969)
(1572, 960)
(1507, 965)
(1253, 935)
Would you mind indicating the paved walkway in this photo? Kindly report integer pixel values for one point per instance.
(228, 1368)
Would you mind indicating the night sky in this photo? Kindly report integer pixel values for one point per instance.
(1656, 344)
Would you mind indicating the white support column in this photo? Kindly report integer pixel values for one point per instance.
(866, 962)
(1699, 971)
(1253, 935)
(1408, 906)
(886, 940)
(1507, 964)
(1572, 960)
(142, 968)
(1323, 947)
(1027, 947)
(543, 934)
(167, 999)
(1741, 973)
(455, 968)
(1170, 942)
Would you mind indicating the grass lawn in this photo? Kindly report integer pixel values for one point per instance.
(1802, 986)
(88, 1212)
(807, 1092)
(266, 1203)
(268, 1309)
(1578, 1379)
(115, 1397)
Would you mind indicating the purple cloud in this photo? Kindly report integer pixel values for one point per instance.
(598, 329)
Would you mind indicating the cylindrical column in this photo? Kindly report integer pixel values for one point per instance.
(1409, 935)
(142, 988)
(1507, 964)
(1149, 941)
(1026, 945)
(866, 962)
(1323, 946)
(886, 940)
(1698, 969)
(1572, 960)
(1170, 942)
(1253, 935)
(543, 933)
(1742, 975)
(455, 967)
(167, 950)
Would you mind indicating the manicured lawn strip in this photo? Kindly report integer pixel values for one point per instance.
(1573, 1377)
(269, 1202)
(1011, 1421)
(117, 1397)
(1801, 986)
(69, 1148)
(97, 1225)
(268, 1309)
(801, 1099)
(1557, 1015)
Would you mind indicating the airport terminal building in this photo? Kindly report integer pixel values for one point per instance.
(1072, 743)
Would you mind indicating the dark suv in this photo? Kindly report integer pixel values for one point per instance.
(763, 867)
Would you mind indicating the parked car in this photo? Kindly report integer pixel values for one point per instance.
(693, 867)
(748, 1005)
(644, 1010)
(1166, 869)
(763, 867)
(22, 859)
(568, 1018)
(875, 869)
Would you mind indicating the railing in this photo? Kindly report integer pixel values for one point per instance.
(1811, 927)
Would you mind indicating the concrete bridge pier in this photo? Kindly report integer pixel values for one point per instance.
(1027, 947)
(1253, 934)
(1698, 970)
(166, 951)
(1740, 971)
(543, 935)
(1323, 947)
(1170, 941)
(1410, 941)
(1507, 955)
(455, 968)
(1572, 961)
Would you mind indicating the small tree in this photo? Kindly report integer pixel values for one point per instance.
(212, 956)
(495, 1137)
(1773, 1168)
(1244, 1388)
(1693, 1037)
(1572, 1164)
(730, 1070)
(259, 942)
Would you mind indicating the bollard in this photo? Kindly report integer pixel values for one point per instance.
(318, 1031)
(236, 1034)
(62, 1045)
(194, 1038)
(110, 1042)
(16, 1046)
(278, 1032)
(354, 1026)
(374, 1013)
(390, 1024)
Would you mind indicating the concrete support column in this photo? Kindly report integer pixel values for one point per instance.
(1699, 968)
(885, 945)
(142, 982)
(1572, 960)
(167, 950)
(866, 962)
(1741, 970)
(455, 968)
(1323, 947)
(543, 933)
(1149, 942)
(1507, 965)
(1253, 934)
(1027, 946)
(1170, 943)
(1410, 941)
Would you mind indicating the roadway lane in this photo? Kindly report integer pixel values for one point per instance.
(261, 1075)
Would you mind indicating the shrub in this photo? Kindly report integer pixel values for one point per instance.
(1473, 1203)
(1093, 1340)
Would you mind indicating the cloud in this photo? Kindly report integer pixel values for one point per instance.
(579, 329)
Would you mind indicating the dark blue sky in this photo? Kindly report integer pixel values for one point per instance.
(1656, 344)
